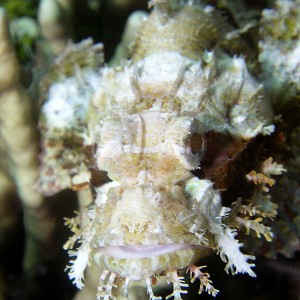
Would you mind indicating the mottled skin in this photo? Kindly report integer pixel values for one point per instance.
(152, 113)
(149, 206)
(148, 120)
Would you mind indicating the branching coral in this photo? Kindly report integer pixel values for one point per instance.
(15, 117)
(55, 20)
(20, 142)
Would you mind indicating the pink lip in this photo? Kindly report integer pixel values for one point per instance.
(141, 251)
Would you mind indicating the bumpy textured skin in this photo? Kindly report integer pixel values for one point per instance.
(147, 122)
(68, 88)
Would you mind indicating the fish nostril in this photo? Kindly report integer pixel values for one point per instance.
(135, 227)
(125, 228)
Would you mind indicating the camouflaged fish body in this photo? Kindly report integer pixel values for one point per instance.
(147, 121)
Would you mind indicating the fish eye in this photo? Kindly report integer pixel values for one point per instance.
(196, 143)
(188, 141)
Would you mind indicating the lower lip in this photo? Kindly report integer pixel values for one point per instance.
(141, 251)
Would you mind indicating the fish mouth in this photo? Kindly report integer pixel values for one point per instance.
(144, 251)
